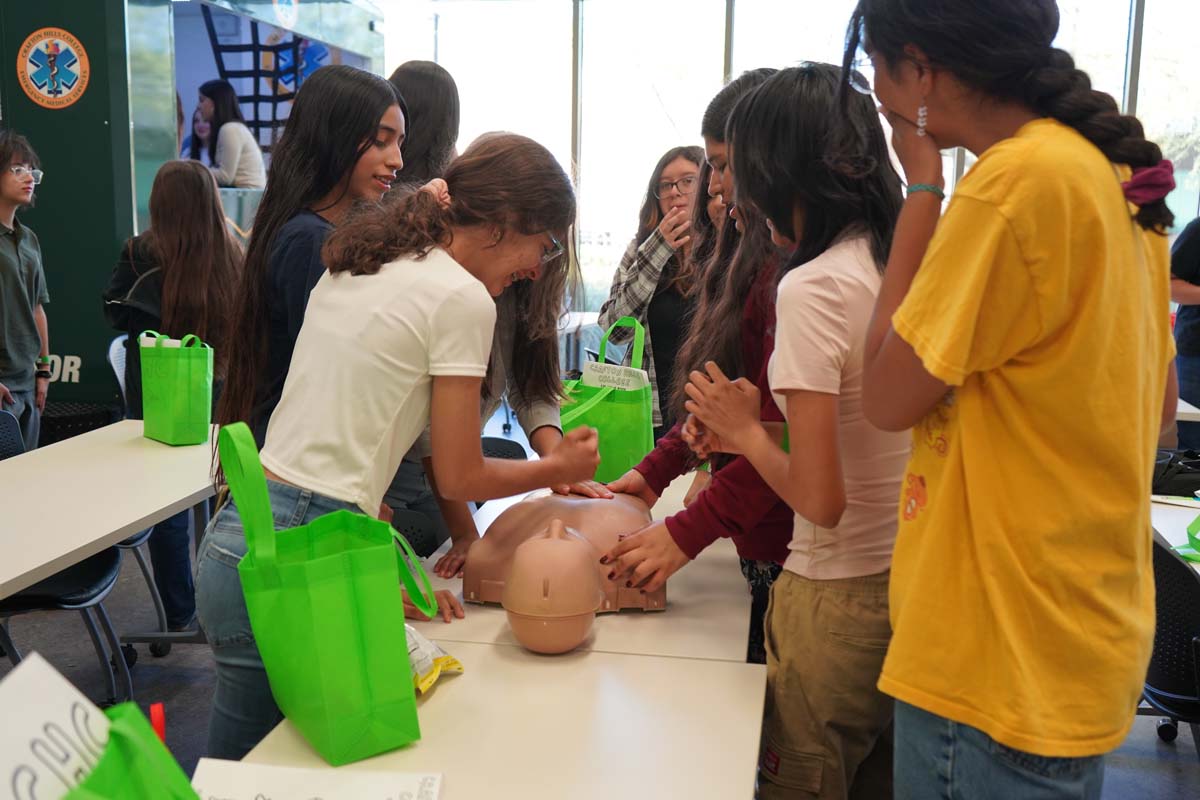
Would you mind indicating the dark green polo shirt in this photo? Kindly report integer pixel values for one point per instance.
(22, 288)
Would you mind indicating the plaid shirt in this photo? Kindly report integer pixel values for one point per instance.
(633, 287)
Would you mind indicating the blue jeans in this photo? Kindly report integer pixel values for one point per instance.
(1189, 389)
(938, 758)
(171, 554)
(243, 710)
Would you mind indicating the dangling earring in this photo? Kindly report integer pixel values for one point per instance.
(922, 119)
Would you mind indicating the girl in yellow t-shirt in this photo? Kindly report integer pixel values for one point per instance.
(1024, 337)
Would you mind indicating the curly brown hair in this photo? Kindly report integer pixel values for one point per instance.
(502, 179)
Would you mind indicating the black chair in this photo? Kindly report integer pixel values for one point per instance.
(1173, 681)
(418, 529)
(495, 447)
(116, 359)
(81, 587)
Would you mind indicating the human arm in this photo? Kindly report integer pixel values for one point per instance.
(1184, 292)
(461, 471)
(459, 522)
(41, 384)
(809, 478)
(634, 284)
(229, 150)
(897, 389)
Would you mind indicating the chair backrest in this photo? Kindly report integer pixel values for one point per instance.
(418, 529)
(495, 447)
(116, 359)
(1174, 667)
(11, 442)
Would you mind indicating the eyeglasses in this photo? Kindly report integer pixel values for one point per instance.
(20, 170)
(685, 185)
(858, 78)
(554, 252)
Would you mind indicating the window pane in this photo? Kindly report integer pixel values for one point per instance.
(649, 71)
(1096, 34)
(1169, 97)
(511, 60)
(768, 33)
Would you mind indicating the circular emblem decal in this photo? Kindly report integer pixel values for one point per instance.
(52, 68)
(287, 12)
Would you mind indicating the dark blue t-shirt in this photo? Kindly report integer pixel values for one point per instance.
(1185, 264)
(293, 269)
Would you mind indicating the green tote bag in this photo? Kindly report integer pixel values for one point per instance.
(177, 386)
(623, 418)
(325, 606)
(134, 764)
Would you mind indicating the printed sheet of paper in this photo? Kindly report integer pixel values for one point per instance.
(52, 734)
(237, 780)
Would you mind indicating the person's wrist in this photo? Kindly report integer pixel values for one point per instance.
(42, 375)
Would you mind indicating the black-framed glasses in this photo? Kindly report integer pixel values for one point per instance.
(685, 185)
(20, 170)
(556, 250)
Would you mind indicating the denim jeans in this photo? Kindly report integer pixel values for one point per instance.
(1189, 390)
(243, 710)
(170, 553)
(938, 758)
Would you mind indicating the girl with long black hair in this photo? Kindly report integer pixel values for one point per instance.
(829, 193)
(341, 146)
(1025, 337)
(232, 150)
(733, 325)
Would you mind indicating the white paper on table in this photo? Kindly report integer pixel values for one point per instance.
(236, 780)
(52, 735)
(613, 376)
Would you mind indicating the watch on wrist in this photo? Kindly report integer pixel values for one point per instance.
(42, 373)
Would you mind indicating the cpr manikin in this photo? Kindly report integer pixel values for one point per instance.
(598, 522)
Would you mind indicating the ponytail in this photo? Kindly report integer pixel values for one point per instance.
(411, 225)
(1062, 91)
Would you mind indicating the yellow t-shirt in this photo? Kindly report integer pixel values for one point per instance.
(1022, 596)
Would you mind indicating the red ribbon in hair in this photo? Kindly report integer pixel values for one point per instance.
(1150, 184)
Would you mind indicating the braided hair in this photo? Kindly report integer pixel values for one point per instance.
(1006, 51)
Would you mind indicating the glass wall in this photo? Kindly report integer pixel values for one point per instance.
(1168, 101)
(647, 69)
(644, 91)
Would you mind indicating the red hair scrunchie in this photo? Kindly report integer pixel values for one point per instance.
(1150, 184)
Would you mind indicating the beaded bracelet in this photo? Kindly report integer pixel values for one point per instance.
(926, 187)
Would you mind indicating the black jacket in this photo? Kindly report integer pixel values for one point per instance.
(133, 304)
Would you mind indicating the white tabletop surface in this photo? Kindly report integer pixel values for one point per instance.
(1187, 412)
(707, 614)
(582, 725)
(1172, 521)
(70, 500)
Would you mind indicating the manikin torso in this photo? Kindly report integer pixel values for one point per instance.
(600, 522)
